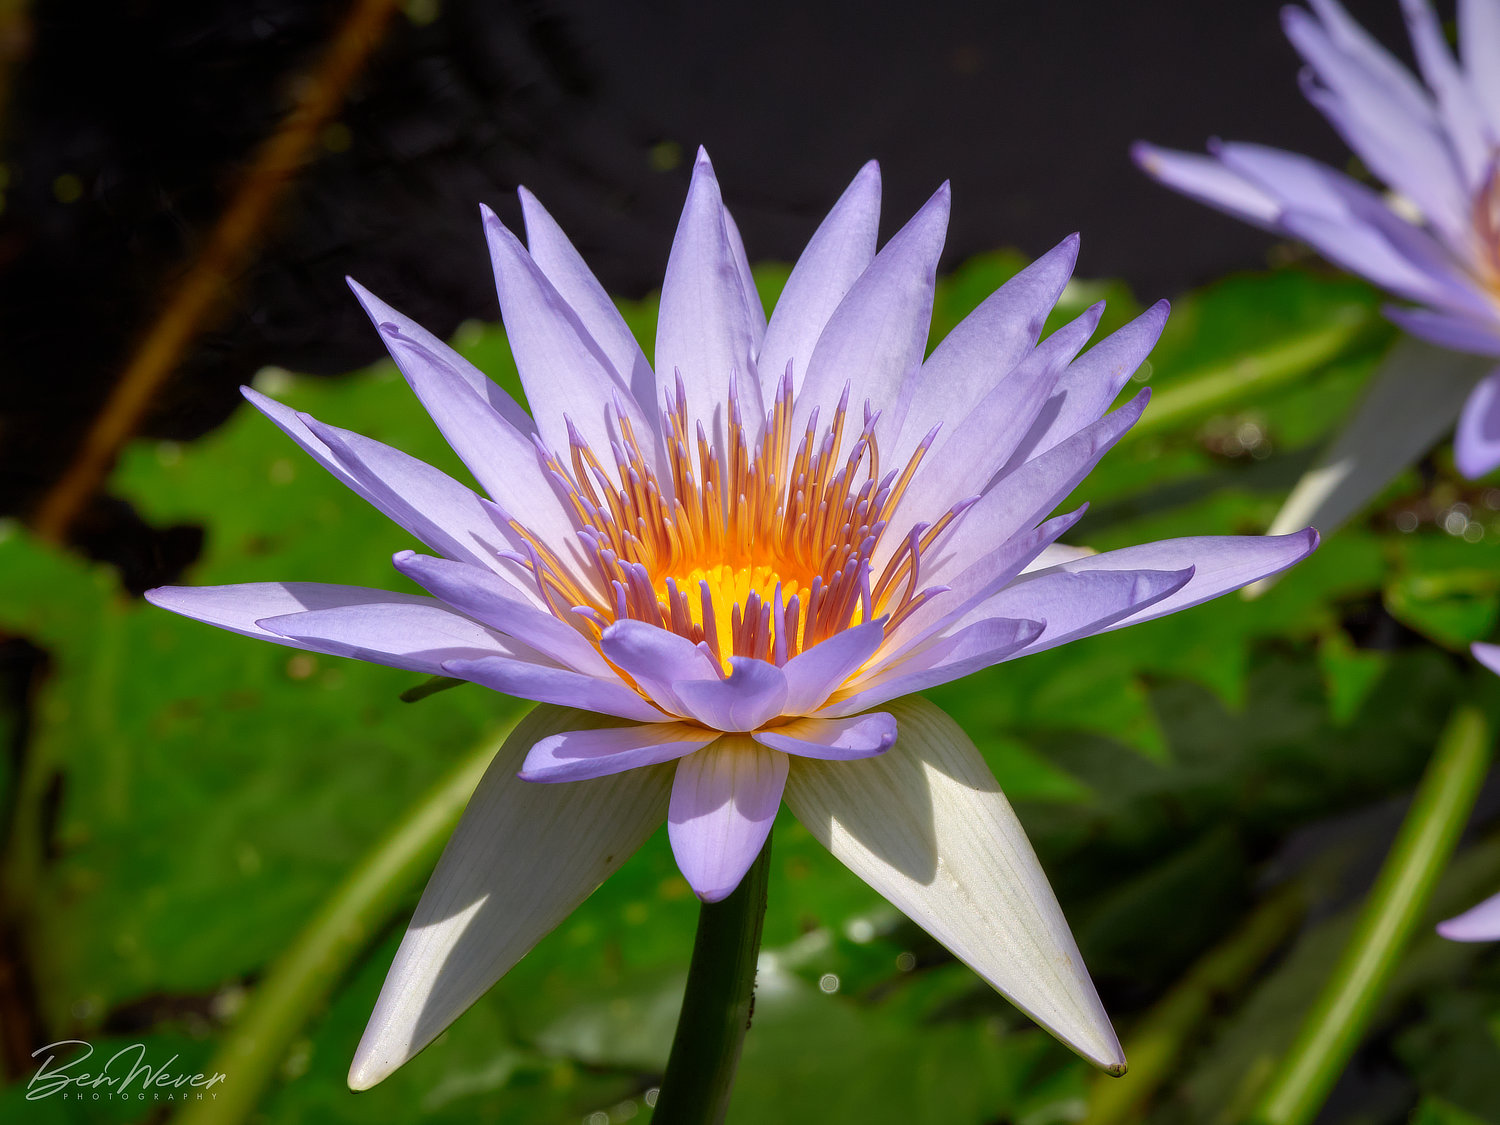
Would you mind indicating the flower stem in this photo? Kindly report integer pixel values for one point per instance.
(298, 982)
(717, 1005)
(1397, 902)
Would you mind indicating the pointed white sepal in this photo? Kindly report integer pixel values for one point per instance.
(926, 825)
(523, 857)
(1413, 398)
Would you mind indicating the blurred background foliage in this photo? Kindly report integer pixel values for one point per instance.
(1210, 792)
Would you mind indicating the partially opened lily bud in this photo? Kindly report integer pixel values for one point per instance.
(721, 572)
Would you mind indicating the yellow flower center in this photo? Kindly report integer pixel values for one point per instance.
(756, 552)
(730, 589)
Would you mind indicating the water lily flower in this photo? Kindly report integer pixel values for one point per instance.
(1482, 922)
(1434, 239)
(721, 573)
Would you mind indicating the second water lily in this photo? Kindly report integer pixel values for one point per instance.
(1433, 239)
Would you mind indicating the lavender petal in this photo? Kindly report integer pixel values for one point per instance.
(724, 800)
(578, 754)
(833, 740)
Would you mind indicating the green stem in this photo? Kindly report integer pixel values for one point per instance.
(1397, 902)
(298, 983)
(717, 1005)
(1156, 1044)
(1223, 386)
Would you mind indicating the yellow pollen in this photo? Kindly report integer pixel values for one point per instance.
(729, 590)
(699, 540)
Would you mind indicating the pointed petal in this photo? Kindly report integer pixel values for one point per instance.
(1219, 563)
(983, 350)
(658, 660)
(1467, 132)
(747, 282)
(1081, 603)
(1478, 923)
(1367, 52)
(753, 692)
(966, 457)
(878, 334)
(522, 858)
(833, 740)
(561, 686)
(1022, 495)
(838, 252)
(578, 754)
(1488, 655)
(486, 428)
(1205, 179)
(442, 513)
(237, 608)
(1476, 444)
(1479, 43)
(487, 597)
(576, 284)
(995, 564)
(939, 662)
(513, 477)
(1057, 553)
(1401, 145)
(1092, 381)
(1352, 224)
(434, 365)
(1412, 399)
(724, 800)
(1454, 331)
(706, 329)
(565, 372)
(420, 635)
(926, 825)
(812, 676)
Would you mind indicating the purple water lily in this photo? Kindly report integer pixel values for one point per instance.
(1482, 922)
(720, 573)
(1434, 240)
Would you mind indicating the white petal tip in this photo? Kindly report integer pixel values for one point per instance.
(366, 1073)
(1097, 1044)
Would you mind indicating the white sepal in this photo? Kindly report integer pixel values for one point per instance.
(523, 857)
(1413, 398)
(926, 825)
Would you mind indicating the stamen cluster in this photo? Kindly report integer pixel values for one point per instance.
(755, 552)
